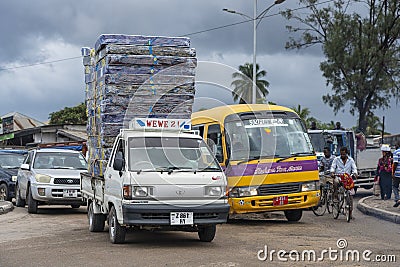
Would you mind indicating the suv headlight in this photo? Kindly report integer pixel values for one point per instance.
(243, 191)
(41, 178)
(213, 191)
(310, 186)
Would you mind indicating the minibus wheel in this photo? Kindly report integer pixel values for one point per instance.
(293, 215)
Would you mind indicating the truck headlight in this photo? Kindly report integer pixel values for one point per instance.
(14, 178)
(213, 191)
(41, 178)
(243, 191)
(142, 191)
(310, 186)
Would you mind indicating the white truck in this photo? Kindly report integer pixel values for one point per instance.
(335, 139)
(157, 178)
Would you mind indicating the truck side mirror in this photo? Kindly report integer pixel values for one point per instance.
(118, 161)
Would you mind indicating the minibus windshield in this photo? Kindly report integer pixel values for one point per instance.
(267, 138)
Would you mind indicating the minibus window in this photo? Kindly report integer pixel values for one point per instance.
(214, 133)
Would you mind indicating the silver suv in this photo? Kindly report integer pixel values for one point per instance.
(51, 177)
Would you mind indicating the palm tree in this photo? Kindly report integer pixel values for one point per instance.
(243, 83)
(302, 112)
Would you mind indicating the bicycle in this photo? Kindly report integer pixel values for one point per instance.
(344, 204)
(326, 201)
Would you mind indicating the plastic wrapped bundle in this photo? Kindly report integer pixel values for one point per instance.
(130, 76)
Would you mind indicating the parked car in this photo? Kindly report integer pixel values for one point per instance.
(51, 177)
(10, 161)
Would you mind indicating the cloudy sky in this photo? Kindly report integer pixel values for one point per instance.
(41, 70)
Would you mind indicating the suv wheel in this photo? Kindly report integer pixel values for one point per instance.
(4, 192)
(32, 204)
(19, 202)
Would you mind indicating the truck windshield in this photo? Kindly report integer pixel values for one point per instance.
(267, 138)
(170, 153)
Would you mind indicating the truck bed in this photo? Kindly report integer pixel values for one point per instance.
(92, 187)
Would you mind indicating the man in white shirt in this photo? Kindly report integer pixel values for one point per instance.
(341, 165)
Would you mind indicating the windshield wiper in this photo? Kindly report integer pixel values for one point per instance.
(295, 155)
(255, 157)
(143, 170)
(209, 169)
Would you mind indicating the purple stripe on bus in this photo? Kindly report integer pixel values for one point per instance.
(271, 168)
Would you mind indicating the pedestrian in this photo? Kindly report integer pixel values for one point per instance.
(325, 165)
(338, 126)
(313, 125)
(384, 172)
(396, 175)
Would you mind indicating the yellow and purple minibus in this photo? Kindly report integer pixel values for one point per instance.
(267, 156)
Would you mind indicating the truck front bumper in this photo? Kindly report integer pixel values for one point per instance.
(159, 214)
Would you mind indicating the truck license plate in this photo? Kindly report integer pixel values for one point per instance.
(181, 218)
(279, 201)
(70, 193)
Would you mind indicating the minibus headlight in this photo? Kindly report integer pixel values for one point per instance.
(213, 191)
(310, 186)
(41, 178)
(243, 191)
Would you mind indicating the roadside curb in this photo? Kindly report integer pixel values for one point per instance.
(379, 213)
(5, 206)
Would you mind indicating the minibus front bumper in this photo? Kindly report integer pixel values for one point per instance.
(301, 200)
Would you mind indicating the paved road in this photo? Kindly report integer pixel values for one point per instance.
(59, 236)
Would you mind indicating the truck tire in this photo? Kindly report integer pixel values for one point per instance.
(75, 206)
(4, 192)
(96, 221)
(207, 233)
(293, 215)
(19, 202)
(32, 204)
(116, 231)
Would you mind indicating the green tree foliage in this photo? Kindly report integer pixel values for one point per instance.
(74, 115)
(243, 83)
(360, 40)
(303, 113)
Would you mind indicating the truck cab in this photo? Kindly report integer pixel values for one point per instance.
(334, 140)
(157, 178)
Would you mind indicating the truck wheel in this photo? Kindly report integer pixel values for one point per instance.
(19, 202)
(207, 233)
(293, 215)
(116, 231)
(32, 204)
(96, 221)
(4, 192)
(75, 206)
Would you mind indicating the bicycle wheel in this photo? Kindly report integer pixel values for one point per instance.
(337, 205)
(336, 209)
(320, 209)
(348, 207)
(329, 202)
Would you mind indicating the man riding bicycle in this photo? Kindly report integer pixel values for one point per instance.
(341, 165)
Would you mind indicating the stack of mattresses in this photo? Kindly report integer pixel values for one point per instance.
(130, 76)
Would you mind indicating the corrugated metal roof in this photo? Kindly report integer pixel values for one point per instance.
(22, 122)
